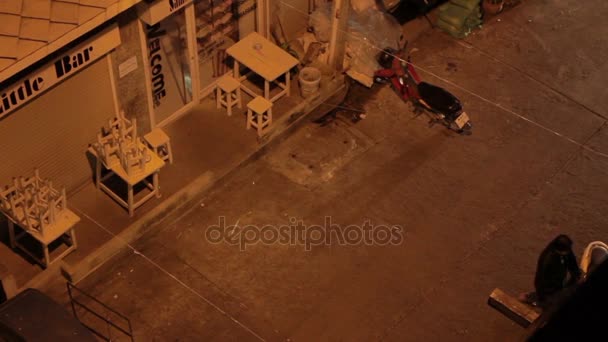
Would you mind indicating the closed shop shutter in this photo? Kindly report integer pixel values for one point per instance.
(53, 131)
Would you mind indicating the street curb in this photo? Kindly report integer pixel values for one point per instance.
(149, 220)
(186, 198)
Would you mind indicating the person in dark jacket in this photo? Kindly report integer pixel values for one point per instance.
(556, 271)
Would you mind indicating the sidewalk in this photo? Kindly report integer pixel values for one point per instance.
(207, 145)
(195, 170)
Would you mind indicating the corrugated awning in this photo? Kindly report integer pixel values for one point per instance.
(33, 29)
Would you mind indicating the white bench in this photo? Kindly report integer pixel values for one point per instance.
(521, 313)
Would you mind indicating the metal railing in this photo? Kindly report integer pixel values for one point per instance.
(110, 325)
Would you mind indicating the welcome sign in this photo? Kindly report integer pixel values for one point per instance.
(57, 70)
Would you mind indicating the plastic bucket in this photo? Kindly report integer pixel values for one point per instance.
(310, 78)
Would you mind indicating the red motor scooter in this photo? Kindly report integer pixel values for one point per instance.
(439, 104)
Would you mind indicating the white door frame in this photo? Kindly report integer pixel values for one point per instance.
(198, 94)
(194, 69)
(143, 39)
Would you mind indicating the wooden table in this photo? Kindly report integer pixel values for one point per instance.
(268, 60)
(151, 168)
(63, 225)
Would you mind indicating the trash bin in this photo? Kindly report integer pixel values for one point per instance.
(309, 78)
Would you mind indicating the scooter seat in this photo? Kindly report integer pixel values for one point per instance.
(439, 99)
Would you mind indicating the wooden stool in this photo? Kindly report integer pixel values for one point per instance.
(227, 87)
(160, 143)
(259, 114)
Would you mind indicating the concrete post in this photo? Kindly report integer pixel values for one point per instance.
(132, 88)
(263, 18)
(337, 41)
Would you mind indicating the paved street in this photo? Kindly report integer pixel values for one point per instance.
(475, 211)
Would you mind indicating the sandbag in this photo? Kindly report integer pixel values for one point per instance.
(455, 15)
(468, 4)
(457, 32)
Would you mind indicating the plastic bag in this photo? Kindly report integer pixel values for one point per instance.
(369, 31)
(320, 21)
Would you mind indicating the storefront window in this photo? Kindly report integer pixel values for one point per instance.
(219, 24)
(169, 65)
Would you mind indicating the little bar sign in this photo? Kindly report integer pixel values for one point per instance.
(57, 70)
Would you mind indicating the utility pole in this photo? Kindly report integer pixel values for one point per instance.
(263, 17)
(339, 27)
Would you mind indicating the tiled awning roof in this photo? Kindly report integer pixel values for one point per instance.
(32, 29)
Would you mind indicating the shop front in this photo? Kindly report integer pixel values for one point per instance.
(49, 116)
(184, 44)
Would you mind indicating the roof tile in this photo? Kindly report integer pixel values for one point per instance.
(59, 29)
(26, 47)
(8, 47)
(36, 9)
(11, 6)
(64, 12)
(34, 29)
(86, 13)
(10, 24)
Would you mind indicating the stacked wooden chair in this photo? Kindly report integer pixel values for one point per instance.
(119, 144)
(40, 210)
(33, 202)
(124, 154)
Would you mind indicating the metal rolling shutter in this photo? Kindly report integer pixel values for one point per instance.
(53, 131)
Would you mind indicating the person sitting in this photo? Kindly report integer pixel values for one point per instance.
(556, 271)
